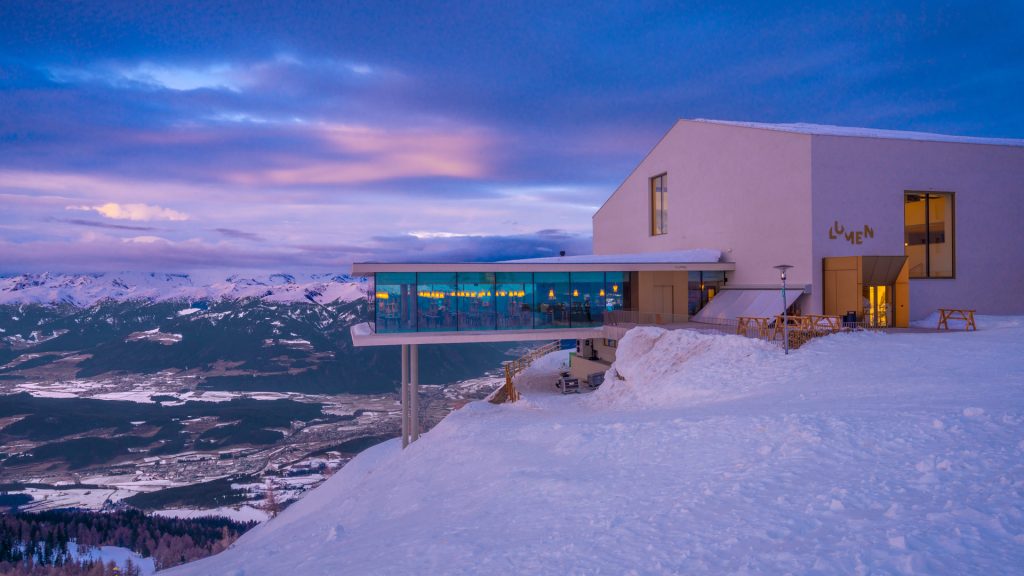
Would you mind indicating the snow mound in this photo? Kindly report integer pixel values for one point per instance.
(655, 367)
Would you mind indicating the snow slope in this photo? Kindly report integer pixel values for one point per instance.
(87, 289)
(857, 454)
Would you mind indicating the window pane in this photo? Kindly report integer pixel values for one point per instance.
(915, 237)
(513, 294)
(476, 301)
(940, 235)
(553, 299)
(587, 299)
(395, 304)
(437, 301)
(659, 209)
(616, 290)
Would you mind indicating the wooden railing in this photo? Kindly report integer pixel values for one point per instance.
(508, 392)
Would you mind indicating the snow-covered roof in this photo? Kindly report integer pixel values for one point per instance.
(698, 259)
(827, 130)
(678, 256)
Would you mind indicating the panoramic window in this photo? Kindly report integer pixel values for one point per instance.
(553, 300)
(616, 290)
(394, 300)
(928, 234)
(513, 293)
(659, 208)
(588, 298)
(437, 302)
(476, 301)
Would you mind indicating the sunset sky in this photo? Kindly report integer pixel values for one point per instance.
(280, 136)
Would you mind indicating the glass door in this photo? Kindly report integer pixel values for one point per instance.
(878, 306)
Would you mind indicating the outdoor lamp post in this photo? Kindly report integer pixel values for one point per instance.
(785, 316)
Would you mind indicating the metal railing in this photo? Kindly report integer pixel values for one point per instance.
(801, 328)
(508, 392)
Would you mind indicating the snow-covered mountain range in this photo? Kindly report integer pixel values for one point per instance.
(84, 290)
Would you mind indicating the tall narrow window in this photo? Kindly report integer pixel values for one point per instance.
(659, 208)
(928, 234)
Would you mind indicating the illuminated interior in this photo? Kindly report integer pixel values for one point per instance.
(878, 305)
(473, 301)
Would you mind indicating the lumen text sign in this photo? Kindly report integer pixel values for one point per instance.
(854, 235)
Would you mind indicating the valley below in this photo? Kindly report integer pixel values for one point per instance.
(232, 399)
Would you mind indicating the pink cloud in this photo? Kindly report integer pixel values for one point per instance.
(368, 154)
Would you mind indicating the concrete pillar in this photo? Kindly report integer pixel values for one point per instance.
(405, 395)
(414, 392)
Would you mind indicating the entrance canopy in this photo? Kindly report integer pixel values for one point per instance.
(732, 304)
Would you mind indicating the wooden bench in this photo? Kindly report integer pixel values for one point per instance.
(744, 323)
(947, 314)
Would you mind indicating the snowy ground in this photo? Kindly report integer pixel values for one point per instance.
(857, 454)
(115, 554)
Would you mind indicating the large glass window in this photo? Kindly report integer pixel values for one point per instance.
(553, 300)
(703, 287)
(435, 292)
(616, 290)
(476, 301)
(587, 299)
(395, 301)
(928, 234)
(513, 296)
(659, 206)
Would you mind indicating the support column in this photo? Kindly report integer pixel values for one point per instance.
(405, 395)
(414, 392)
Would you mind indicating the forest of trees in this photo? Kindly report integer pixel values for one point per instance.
(37, 543)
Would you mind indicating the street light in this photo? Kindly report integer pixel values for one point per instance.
(785, 317)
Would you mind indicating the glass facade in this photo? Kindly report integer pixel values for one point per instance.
(470, 301)
(513, 295)
(436, 292)
(553, 300)
(616, 290)
(587, 298)
(476, 301)
(395, 302)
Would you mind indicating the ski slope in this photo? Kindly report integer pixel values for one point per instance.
(701, 454)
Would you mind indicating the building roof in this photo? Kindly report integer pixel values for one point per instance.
(675, 257)
(701, 259)
(827, 130)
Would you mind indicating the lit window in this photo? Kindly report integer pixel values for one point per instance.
(659, 208)
(928, 238)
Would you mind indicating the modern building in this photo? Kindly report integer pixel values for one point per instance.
(843, 206)
(883, 225)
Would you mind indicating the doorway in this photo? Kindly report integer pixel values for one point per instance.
(878, 306)
(663, 308)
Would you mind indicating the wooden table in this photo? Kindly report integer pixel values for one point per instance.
(947, 314)
(825, 323)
